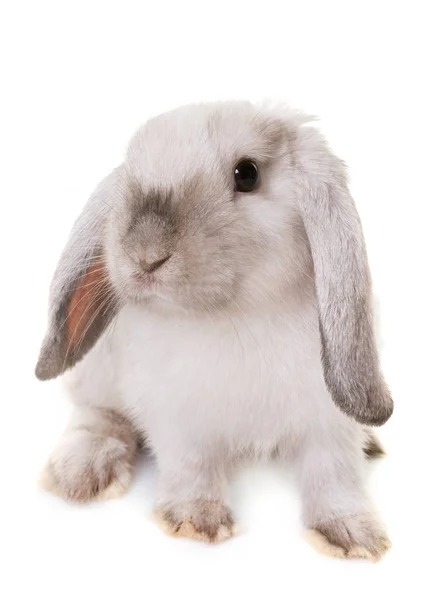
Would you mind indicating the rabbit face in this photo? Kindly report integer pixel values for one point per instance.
(205, 219)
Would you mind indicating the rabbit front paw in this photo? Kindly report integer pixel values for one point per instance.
(202, 520)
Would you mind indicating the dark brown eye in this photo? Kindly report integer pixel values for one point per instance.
(246, 176)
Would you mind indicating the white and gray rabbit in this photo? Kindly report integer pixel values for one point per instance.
(214, 299)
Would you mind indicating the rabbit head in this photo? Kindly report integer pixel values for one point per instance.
(220, 208)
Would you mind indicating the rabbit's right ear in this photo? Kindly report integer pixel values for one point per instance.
(82, 301)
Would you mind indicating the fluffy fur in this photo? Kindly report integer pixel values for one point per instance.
(220, 324)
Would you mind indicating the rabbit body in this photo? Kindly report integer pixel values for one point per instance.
(244, 383)
(234, 347)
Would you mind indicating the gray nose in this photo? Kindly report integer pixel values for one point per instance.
(149, 267)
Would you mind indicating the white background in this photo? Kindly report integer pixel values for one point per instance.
(77, 78)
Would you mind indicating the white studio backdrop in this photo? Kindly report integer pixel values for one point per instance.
(77, 79)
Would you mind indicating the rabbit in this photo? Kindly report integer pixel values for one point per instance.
(213, 303)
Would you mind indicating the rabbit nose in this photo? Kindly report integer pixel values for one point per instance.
(149, 267)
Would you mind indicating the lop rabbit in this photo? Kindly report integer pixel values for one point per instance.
(213, 302)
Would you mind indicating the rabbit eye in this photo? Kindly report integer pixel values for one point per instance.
(246, 176)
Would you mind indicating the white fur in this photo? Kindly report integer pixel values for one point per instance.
(203, 386)
(213, 390)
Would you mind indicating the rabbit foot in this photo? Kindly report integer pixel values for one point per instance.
(353, 536)
(202, 520)
(89, 466)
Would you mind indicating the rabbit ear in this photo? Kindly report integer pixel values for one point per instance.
(343, 286)
(82, 301)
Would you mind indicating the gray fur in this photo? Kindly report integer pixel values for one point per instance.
(85, 241)
(343, 285)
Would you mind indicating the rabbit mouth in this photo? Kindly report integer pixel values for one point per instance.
(147, 287)
(146, 280)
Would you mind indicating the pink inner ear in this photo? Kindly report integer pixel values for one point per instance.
(84, 306)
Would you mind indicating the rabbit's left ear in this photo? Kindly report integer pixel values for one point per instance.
(342, 280)
(82, 300)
